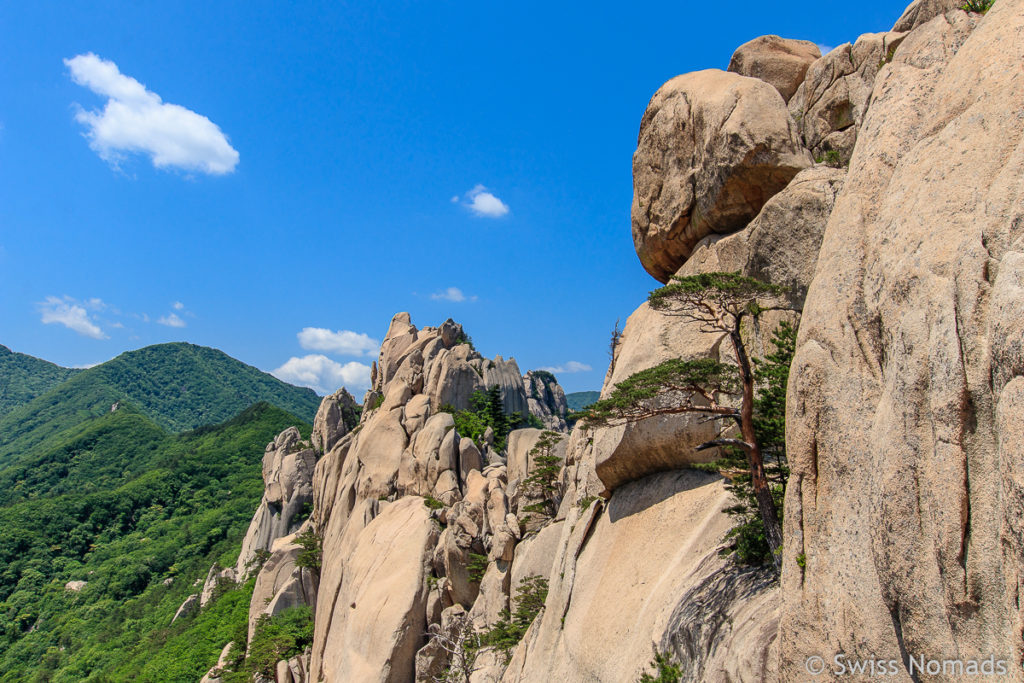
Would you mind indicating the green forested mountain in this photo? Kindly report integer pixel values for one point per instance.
(578, 400)
(178, 386)
(24, 377)
(139, 514)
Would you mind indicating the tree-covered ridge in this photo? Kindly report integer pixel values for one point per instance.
(169, 509)
(578, 400)
(23, 377)
(178, 386)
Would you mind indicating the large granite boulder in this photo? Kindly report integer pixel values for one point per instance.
(922, 11)
(713, 148)
(546, 399)
(781, 62)
(337, 416)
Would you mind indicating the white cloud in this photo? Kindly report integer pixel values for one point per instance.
(323, 375)
(453, 294)
(178, 306)
(825, 49)
(71, 314)
(342, 342)
(85, 366)
(171, 320)
(482, 202)
(569, 368)
(137, 120)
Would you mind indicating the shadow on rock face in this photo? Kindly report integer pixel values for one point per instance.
(639, 495)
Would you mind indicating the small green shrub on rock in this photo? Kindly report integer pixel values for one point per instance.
(666, 671)
(511, 627)
(311, 555)
(977, 6)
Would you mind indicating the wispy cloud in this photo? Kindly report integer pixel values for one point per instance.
(323, 375)
(482, 202)
(569, 368)
(72, 314)
(137, 120)
(178, 306)
(825, 49)
(453, 294)
(171, 320)
(341, 342)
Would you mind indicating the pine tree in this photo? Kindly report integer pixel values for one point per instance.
(717, 303)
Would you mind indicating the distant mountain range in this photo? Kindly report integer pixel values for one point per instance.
(24, 377)
(178, 386)
(130, 478)
(578, 400)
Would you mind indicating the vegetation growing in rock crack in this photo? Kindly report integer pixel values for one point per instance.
(664, 670)
(488, 410)
(977, 6)
(613, 347)
(462, 643)
(311, 555)
(832, 157)
(277, 637)
(717, 303)
(541, 486)
(476, 567)
(462, 647)
(531, 593)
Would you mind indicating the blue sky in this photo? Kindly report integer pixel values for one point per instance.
(278, 179)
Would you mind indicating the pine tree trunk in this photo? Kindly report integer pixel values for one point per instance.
(758, 479)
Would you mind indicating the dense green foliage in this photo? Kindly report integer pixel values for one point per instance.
(476, 567)
(311, 555)
(511, 626)
(281, 636)
(634, 397)
(711, 291)
(665, 671)
(80, 460)
(178, 386)
(487, 411)
(541, 486)
(138, 514)
(24, 377)
(772, 373)
(578, 400)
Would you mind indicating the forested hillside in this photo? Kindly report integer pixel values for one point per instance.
(138, 515)
(23, 377)
(578, 400)
(177, 386)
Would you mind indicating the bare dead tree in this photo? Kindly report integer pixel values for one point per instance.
(461, 645)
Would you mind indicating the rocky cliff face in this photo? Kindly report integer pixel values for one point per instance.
(905, 270)
(404, 506)
(546, 399)
(904, 414)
